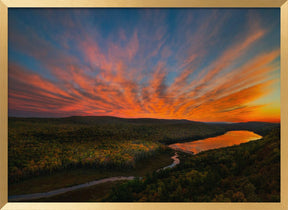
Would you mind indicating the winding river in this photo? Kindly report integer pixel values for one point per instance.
(230, 138)
(33, 196)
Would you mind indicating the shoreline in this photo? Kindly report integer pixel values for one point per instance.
(23, 197)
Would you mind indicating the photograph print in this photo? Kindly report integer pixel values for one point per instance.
(143, 105)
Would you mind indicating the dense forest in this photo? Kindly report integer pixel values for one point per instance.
(248, 172)
(39, 146)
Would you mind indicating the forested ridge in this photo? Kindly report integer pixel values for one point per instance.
(247, 172)
(40, 146)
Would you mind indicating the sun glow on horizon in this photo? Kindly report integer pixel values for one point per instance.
(189, 64)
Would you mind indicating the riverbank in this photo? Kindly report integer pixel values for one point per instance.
(249, 172)
(24, 197)
(67, 189)
(230, 138)
(194, 138)
(192, 146)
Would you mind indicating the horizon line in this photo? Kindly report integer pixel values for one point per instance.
(139, 118)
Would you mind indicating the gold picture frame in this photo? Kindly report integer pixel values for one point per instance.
(5, 4)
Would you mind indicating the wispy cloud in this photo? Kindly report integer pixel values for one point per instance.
(166, 64)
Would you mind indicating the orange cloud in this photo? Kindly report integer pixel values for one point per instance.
(115, 83)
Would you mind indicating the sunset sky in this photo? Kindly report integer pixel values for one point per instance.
(210, 65)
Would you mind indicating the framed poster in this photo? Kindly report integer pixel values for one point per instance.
(143, 105)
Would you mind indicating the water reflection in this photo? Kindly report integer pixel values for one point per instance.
(228, 139)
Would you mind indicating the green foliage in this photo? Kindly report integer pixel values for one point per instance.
(103, 129)
(249, 172)
(39, 146)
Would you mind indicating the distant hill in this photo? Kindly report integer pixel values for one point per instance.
(106, 128)
(111, 128)
(261, 128)
(109, 119)
(43, 139)
(103, 120)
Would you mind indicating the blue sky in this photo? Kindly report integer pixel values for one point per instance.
(196, 64)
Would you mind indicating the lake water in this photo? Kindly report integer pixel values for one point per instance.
(230, 138)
